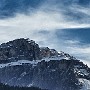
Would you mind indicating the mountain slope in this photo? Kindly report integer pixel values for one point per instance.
(45, 68)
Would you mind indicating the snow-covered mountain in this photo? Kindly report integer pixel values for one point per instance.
(24, 63)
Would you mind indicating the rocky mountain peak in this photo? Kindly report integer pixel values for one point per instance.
(25, 49)
(19, 49)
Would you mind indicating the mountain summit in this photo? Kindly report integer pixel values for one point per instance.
(25, 49)
(24, 63)
(19, 49)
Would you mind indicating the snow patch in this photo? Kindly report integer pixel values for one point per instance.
(55, 58)
(20, 62)
(85, 83)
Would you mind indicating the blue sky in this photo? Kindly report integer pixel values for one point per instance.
(60, 24)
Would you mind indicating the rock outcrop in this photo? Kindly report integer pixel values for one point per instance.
(19, 49)
(47, 52)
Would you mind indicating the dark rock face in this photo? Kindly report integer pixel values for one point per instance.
(19, 49)
(52, 75)
(47, 52)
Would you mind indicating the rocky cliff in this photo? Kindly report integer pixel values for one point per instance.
(30, 65)
(19, 49)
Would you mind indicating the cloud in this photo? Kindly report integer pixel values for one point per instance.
(42, 20)
(82, 13)
(9, 8)
(30, 26)
(50, 19)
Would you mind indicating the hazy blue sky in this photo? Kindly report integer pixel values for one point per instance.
(60, 24)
